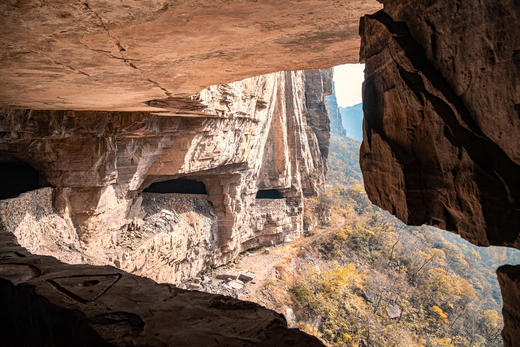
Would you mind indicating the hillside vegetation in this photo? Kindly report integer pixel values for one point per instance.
(366, 279)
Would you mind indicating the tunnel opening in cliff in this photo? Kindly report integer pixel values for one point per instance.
(17, 177)
(178, 186)
(269, 194)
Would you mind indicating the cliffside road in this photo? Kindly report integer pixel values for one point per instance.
(85, 305)
(274, 269)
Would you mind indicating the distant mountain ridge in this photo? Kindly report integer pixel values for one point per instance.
(331, 103)
(352, 121)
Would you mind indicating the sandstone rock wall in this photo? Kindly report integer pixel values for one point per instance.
(441, 116)
(33, 221)
(336, 124)
(266, 132)
(442, 122)
(509, 280)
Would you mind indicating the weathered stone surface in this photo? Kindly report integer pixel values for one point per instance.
(317, 87)
(509, 279)
(101, 55)
(475, 46)
(84, 305)
(35, 223)
(441, 124)
(266, 132)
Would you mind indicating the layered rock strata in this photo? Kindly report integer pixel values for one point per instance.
(266, 132)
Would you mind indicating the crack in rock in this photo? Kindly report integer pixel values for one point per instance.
(117, 42)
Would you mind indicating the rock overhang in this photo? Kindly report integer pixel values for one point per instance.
(97, 55)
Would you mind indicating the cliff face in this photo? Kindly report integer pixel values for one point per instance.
(441, 116)
(509, 279)
(441, 122)
(266, 132)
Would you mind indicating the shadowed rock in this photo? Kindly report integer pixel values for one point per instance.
(429, 155)
(83, 305)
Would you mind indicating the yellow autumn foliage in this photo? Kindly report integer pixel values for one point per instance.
(443, 316)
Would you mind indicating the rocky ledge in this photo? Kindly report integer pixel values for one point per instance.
(47, 302)
(101, 55)
(264, 135)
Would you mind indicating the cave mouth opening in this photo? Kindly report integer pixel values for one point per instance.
(17, 177)
(269, 194)
(178, 186)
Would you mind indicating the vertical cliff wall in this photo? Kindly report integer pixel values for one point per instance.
(441, 116)
(266, 132)
(442, 122)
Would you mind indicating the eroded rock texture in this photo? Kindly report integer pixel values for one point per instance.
(509, 279)
(442, 122)
(266, 132)
(98, 54)
(47, 302)
(441, 103)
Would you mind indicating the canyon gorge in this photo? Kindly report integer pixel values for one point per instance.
(144, 142)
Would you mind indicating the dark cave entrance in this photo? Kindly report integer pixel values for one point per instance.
(16, 178)
(179, 186)
(269, 194)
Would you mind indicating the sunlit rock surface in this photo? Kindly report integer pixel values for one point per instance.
(266, 132)
(105, 55)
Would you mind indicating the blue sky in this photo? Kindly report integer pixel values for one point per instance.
(348, 79)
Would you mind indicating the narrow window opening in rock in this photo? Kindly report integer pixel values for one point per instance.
(269, 194)
(179, 186)
(17, 178)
